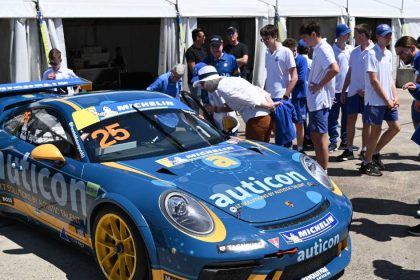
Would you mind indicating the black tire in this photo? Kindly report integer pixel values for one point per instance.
(119, 259)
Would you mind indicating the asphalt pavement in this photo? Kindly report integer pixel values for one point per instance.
(384, 208)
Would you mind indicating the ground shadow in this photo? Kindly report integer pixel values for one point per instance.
(379, 206)
(378, 232)
(341, 172)
(76, 264)
(387, 270)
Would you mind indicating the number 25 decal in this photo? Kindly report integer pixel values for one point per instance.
(115, 131)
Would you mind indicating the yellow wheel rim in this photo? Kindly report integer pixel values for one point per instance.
(115, 248)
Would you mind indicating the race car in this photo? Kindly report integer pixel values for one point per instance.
(154, 192)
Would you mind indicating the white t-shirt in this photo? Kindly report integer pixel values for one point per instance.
(242, 96)
(217, 100)
(357, 65)
(379, 62)
(323, 57)
(62, 73)
(342, 56)
(278, 65)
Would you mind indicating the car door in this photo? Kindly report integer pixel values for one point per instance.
(53, 192)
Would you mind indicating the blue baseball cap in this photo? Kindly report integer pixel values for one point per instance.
(302, 44)
(195, 70)
(341, 30)
(383, 30)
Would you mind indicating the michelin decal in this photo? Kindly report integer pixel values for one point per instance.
(310, 231)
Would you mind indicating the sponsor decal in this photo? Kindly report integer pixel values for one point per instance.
(321, 273)
(170, 277)
(43, 188)
(78, 145)
(310, 231)
(254, 190)
(318, 248)
(241, 247)
(275, 242)
(223, 162)
(63, 235)
(198, 154)
(6, 199)
(92, 189)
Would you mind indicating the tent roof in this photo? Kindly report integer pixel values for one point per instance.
(376, 8)
(107, 8)
(17, 9)
(311, 8)
(224, 8)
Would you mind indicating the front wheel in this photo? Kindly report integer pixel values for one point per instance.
(118, 247)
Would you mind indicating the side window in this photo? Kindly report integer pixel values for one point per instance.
(40, 126)
(14, 124)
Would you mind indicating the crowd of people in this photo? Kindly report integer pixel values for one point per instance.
(313, 90)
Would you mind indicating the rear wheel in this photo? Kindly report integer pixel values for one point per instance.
(118, 246)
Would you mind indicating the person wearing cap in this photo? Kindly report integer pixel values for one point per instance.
(299, 92)
(253, 103)
(170, 82)
(303, 50)
(194, 54)
(381, 101)
(408, 51)
(342, 55)
(58, 71)
(353, 99)
(238, 49)
(281, 77)
(321, 88)
(225, 65)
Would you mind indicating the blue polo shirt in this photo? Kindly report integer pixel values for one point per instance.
(225, 65)
(164, 84)
(299, 91)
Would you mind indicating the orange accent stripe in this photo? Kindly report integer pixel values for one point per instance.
(257, 277)
(277, 275)
(261, 146)
(130, 169)
(48, 219)
(71, 104)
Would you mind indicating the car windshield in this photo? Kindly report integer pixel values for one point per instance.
(147, 133)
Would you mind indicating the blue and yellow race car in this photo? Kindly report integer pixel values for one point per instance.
(154, 192)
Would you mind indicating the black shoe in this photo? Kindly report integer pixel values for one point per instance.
(343, 146)
(355, 148)
(378, 162)
(332, 147)
(417, 158)
(346, 155)
(362, 155)
(307, 144)
(370, 169)
(302, 152)
(414, 230)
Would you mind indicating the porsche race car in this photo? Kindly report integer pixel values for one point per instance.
(154, 192)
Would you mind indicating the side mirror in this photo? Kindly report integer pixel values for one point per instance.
(229, 123)
(48, 152)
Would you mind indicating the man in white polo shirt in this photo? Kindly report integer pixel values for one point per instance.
(321, 88)
(281, 79)
(355, 81)
(381, 101)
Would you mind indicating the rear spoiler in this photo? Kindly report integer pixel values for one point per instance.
(39, 86)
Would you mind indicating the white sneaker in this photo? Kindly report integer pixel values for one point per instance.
(418, 213)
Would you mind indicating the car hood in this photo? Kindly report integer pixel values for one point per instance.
(248, 180)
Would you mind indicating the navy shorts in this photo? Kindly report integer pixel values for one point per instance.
(355, 104)
(415, 115)
(318, 121)
(300, 108)
(374, 115)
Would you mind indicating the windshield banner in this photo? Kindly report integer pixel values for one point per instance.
(91, 115)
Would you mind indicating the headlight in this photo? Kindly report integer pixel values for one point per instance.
(316, 171)
(186, 213)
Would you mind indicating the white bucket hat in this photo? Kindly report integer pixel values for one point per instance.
(207, 73)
